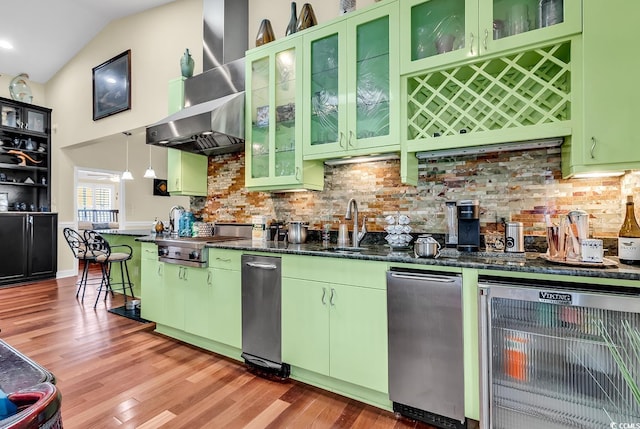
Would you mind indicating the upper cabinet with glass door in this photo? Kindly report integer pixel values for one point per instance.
(441, 32)
(273, 123)
(351, 85)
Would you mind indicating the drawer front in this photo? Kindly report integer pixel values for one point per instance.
(149, 251)
(353, 272)
(224, 259)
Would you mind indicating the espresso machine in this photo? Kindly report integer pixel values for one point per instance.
(468, 225)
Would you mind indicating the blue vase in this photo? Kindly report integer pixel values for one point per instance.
(186, 64)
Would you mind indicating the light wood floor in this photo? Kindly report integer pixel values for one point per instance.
(114, 372)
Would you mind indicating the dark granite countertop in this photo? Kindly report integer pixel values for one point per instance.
(529, 262)
(131, 232)
(524, 263)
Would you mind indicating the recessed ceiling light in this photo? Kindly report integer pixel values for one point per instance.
(5, 44)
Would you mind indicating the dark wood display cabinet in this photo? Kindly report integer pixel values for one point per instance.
(30, 247)
(24, 156)
(28, 231)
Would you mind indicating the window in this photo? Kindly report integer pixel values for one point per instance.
(95, 197)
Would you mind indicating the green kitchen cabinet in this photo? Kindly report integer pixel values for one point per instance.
(274, 120)
(351, 86)
(437, 33)
(226, 307)
(182, 284)
(607, 140)
(336, 330)
(133, 264)
(334, 319)
(187, 173)
(153, 290)
(213, 308)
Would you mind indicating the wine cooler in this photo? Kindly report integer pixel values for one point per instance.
(558, 355)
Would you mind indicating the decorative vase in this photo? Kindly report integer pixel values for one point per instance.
(293, 21)
(186, 64)
(265, 33)
(347, 6)
(19, 88)
(307, 17)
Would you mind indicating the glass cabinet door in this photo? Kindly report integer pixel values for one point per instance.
(35, 120)
(10, 116)
(506, 24)
(436, 32)
(327, 116)
(260, 118)
(372, 84)
(285, 102)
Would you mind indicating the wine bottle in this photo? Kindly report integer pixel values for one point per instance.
(629, 236)
(293, 21)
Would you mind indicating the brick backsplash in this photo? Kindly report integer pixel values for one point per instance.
(519, 186)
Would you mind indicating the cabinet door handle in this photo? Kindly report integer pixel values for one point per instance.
(223, 259)
(298, 174)
(324, 294)
(177, 183)
(333, 294)
(349, 140)
(472, 39)
(184, 275)
(159, 270)
(340, 140)
(209, 278)
(593, 147)
(30, 219)
(486, 37)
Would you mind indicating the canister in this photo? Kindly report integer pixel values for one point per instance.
(514, 237)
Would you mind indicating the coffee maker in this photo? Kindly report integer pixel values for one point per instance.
(468, 225)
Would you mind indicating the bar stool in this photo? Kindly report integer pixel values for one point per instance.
(78, 246)
(100, 249)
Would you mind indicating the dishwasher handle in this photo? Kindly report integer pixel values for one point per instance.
(424, 277)
(261, 266)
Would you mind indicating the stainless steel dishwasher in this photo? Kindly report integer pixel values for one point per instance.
(261, 321)
(426, 377)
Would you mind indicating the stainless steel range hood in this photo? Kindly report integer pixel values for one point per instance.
(212, 121)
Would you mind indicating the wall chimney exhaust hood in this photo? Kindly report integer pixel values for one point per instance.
(212, 121)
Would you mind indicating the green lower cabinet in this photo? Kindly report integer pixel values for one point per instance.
(226, 307)
(213, 308)
(133, 264)
(305, 324)
(358, 336)
(181, 282)
(152, 296)
(336, 330)
(198, 297)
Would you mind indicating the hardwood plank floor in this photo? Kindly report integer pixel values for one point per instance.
(114, 372)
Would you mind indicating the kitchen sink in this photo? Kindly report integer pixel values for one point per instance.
(345, 249)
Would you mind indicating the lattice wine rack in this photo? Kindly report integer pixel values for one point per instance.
(524, 89)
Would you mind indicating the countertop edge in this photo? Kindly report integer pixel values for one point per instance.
(528, 263)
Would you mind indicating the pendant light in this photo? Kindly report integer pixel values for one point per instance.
(150, 174)
(127, 174)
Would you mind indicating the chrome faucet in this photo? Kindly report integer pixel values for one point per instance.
(357, 235)
(174, 217)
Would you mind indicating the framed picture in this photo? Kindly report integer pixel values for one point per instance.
(160, 187)
(112, 86)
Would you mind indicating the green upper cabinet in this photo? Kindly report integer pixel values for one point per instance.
(607, 139)
(187, 173)
(351, 85)
(273, 120)
(441, 32)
